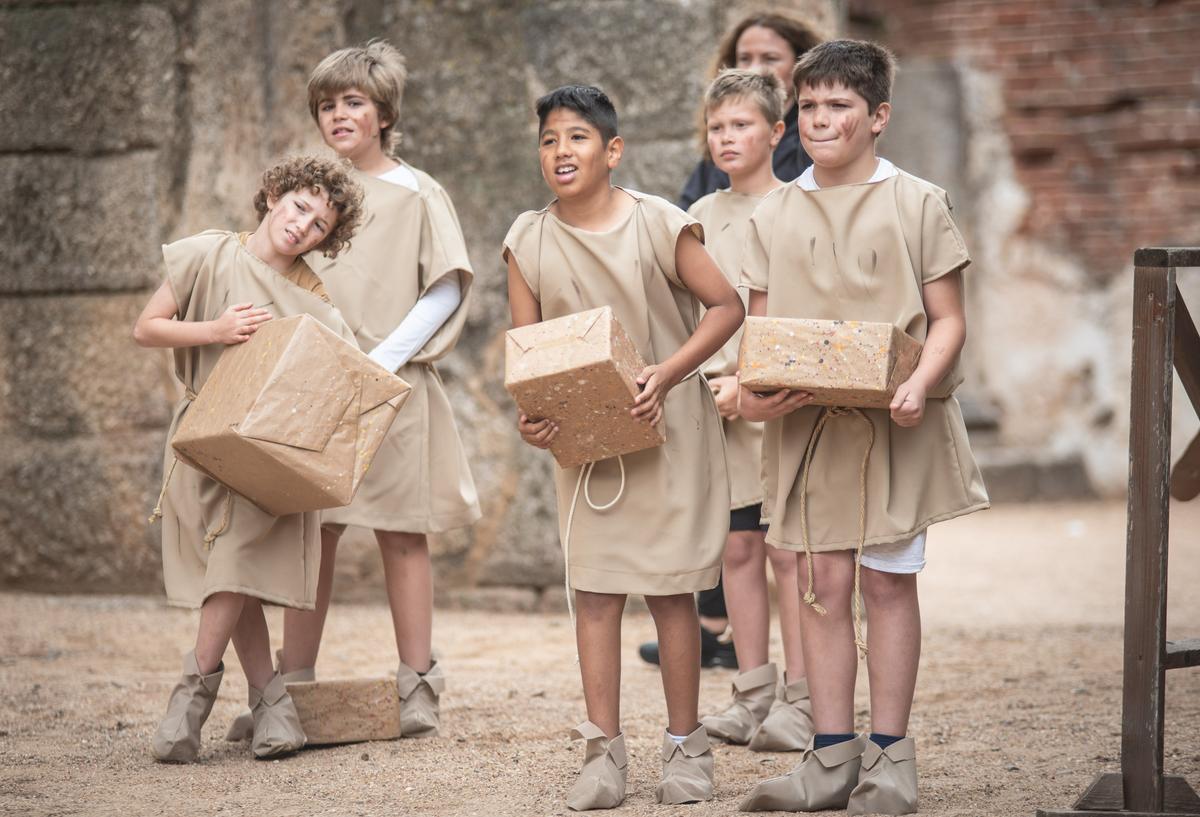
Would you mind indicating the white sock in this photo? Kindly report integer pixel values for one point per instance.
(677, 739)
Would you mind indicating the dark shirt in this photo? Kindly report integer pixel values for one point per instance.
(789, 162)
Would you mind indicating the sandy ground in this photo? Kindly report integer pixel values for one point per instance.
(1018, 703)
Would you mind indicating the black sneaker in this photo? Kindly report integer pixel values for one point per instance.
(715, 651)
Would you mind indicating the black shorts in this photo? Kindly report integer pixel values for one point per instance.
(746, 518)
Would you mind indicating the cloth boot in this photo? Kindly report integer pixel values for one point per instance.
(788, 727)
(753, 692)
(277, 729)
(687, 775)
(242, 727)
(177, 739)
(601, 781)
(823, 780)
(887, 781)
(420, 716)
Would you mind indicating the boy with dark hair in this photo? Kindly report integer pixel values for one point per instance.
(598, 245)
(857, 239)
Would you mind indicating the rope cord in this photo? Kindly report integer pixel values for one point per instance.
(585, 482)
(809, 597)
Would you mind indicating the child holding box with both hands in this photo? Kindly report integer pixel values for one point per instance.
(853, 490)
(596, 245)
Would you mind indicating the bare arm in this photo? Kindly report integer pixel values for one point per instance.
(724, 314)
(760, 407)
(157, 326)
(526, 310)
(943, 343)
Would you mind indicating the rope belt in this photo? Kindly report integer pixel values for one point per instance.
(809, 596)
(156, 514)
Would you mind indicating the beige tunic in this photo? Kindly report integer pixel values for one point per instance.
(419, 481)
(274, 558)
(861, 252)
(725, 215)
(666, 534)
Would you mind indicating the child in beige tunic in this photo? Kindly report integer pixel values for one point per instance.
(743, 111)
(221, 553)
(854, 490)
(600, 245)
(403, 286)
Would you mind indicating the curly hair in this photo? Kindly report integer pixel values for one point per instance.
(378, 70)
(328, 176)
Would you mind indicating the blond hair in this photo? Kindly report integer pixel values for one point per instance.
(761, 88)
(377, 69)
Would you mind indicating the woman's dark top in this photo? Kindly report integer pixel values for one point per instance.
(789, 162)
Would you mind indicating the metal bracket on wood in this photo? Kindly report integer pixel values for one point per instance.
(1165, 340)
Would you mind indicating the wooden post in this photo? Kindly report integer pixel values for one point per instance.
(1141, 788)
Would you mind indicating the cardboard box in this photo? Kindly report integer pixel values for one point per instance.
(347, 711)
(291, 418)
(843, 363)
(581, 372)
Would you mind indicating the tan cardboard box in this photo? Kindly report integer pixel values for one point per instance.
(347, 711)
(291, 418)
(843, 363)
(581, 372)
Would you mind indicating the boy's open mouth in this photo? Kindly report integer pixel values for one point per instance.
(565, 172)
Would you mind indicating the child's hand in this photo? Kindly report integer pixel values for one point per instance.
(725, 390)
(655, 381)
(238, 323)
(760, 407)
(539, 434)
(908, 404)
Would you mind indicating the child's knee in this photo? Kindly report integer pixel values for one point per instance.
(403, 544)
(599, 605)
(742, 548)
(882, 588)
(678, 604)
(783, 562)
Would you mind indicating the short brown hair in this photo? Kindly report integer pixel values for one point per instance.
(326, 176)
(761, 88)
(864, 67)
(377, 69)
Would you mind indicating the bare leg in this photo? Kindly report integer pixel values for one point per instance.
(894, 646)
(302, 629)
(408, 574)
(828, 641)
(679, 652)
(783, 565)
(218, 619)
(253, 644)
(598, 639)
(745, 582)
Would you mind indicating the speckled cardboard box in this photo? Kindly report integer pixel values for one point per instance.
(581, 372)
(291, 418)
(843, 363)
(347, 711)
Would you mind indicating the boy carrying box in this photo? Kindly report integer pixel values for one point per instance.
(597, 245)
(743, 114)
(222, 553)
(856, 239)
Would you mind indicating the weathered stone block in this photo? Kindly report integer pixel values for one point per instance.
(75, 224)
(87, 80)
(73, 512)
(68, 365)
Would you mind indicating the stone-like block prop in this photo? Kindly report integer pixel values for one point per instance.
(347, 711)
(842, 363)
(581, 372)
(291, 418)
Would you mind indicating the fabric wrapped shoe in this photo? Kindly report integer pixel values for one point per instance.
(420, 716)
(687, 769)
(788, 727)
(242, 727)
(823, 780)
(277, 729)
(753, 692)
(887, 781)
(601, 781)
(177, 739)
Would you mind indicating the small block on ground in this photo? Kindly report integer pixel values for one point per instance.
(348, 711)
